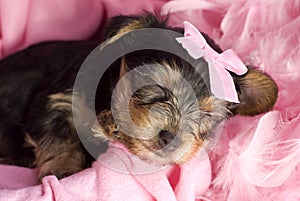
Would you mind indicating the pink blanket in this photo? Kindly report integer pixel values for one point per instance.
(117, 175)
(257, 158)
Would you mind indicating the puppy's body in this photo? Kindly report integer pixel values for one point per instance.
(36, 103)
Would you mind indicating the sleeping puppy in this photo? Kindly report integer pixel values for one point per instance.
(37, 126)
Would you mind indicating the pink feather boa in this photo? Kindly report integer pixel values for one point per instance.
(256, 158)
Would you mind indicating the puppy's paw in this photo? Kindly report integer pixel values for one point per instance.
(62, 166)
(106, 128)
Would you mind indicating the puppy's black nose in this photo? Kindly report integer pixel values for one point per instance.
(168, 140)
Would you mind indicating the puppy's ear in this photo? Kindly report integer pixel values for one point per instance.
(257, 93)
(123, 67)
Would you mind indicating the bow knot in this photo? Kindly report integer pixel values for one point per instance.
(221, 82)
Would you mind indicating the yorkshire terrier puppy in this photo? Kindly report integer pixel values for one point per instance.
(169, 126)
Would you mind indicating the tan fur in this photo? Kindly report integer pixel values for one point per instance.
(66, 96)
(193, 149)
(50, 157)
(141, 120)
(136, 24)
(206, 104)
(30, 142)
(60, 162)
(258, 93)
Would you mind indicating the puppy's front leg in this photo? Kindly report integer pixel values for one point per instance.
(58, 149)
(59, 159)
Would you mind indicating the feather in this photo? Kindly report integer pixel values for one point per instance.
(256, 153)
(269, 160)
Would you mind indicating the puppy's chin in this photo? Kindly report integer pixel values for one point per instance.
(164, 157)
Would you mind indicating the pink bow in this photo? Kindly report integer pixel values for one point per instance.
(221, 82)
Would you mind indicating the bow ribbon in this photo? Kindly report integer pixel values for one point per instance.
(221, 82)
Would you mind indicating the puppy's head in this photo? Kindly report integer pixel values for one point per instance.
(162, 109)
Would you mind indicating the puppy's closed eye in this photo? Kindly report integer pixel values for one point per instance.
(150, 94)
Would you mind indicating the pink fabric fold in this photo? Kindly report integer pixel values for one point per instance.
(116, 175)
